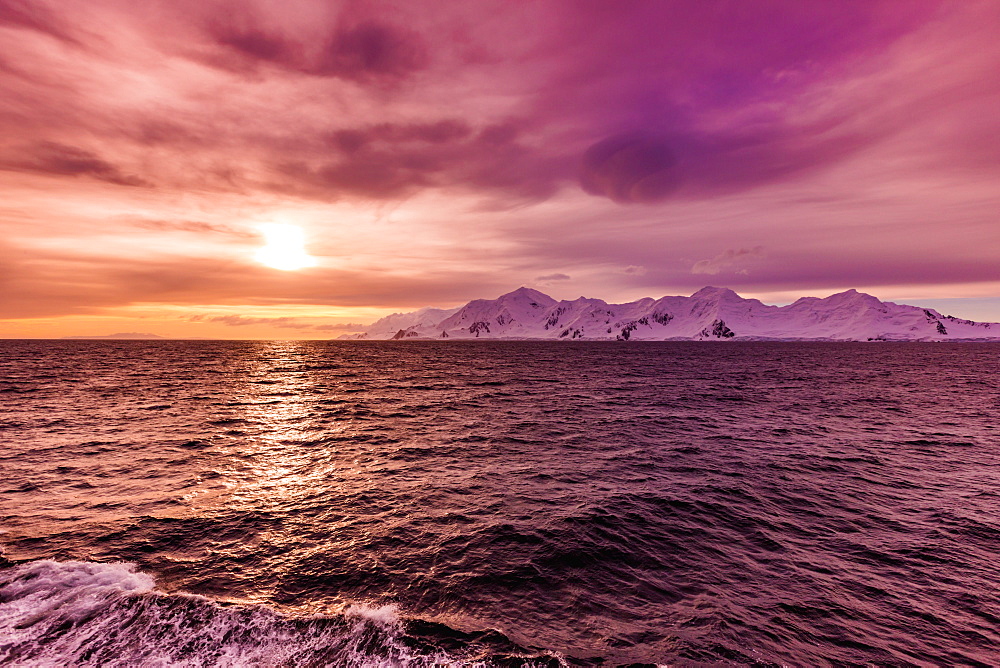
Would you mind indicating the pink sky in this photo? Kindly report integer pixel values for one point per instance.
(434, 152)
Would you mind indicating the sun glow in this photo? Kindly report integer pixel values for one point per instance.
(284, 247)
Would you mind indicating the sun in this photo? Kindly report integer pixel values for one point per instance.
(284, 247)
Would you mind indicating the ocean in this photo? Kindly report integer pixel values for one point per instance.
(499, 503)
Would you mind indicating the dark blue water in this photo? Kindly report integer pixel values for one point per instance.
(498, 503)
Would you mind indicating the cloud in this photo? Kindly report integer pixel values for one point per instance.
(444, 131)
(340, 327)
(194, 226)
(730, 261)
(243, 321)
(552, 277)
(677, 102)
(629, 168)
(372, 51)
(287, 322)
(637, 167)
(395, 160)
(855, 141)
(57, 159)
(368, 51)
(33, 16)
(597, 97)
(256, 44)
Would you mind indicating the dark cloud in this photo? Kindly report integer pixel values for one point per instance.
(438, 132)
(33, 16)
(259, 45)
(368, 52)
(737, 159)
(62, 160)
(553, 277)
(690, 99)
(629, 168)
(445, 131)
(498, 134)
(349, 141)
(372, 51)
(248, 40)
(378, 175)
(646, 168)
(392, 160)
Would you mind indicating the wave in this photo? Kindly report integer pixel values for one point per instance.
(59, 613)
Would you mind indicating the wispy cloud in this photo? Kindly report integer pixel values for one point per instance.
(284, 322)
(547, 278)
(730, 261)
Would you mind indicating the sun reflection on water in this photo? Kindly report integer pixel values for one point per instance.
(282, 460)
(280, 463)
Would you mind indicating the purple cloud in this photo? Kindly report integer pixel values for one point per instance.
(367, 51)
(372, 51)
(61, 160)
(629, 168)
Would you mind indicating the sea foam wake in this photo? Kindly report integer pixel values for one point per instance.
(93, 614)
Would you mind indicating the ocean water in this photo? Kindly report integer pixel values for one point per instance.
(485, 503)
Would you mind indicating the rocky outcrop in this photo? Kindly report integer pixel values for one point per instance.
(719, 330)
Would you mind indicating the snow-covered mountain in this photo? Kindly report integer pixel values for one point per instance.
(709, 314)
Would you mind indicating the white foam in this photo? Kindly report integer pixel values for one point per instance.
(385, 615)
(109, 615)
(67, 591)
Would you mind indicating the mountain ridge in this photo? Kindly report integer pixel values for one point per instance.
(711, 313)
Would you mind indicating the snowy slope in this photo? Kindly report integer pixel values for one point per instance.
(709, 314)
(389, 325)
